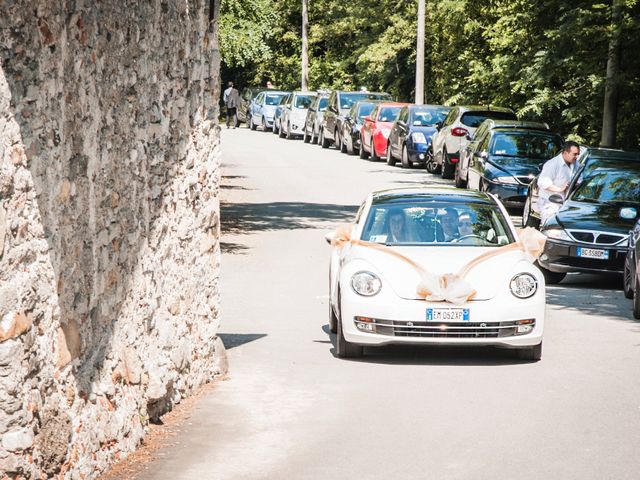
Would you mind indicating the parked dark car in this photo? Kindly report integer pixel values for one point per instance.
(590, 232)
(246, 96)
(504, 158)
(352, 124)
(410, 137)
(632, 270)
(340, 102)
(314, 118)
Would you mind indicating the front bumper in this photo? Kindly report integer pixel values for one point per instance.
(417, 152)
(405, 322)
(562, 256)
(297, 126)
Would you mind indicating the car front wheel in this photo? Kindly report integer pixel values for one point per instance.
(374, 154)
(551, 278)
(447, 168)
(627, 279)
(363, 153)
(346, 349)
(405, 161)
(390, 160)
(324, 143)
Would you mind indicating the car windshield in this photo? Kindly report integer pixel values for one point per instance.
(602, 186)
(436, 223)
(322, 106)
(303, 101)
(365, 109)
(349, 98)
(273, 98)
(525, 146)
(428, 117)
(388, 114)
(474, 119)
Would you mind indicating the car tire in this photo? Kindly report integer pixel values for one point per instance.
(346, 349)
(336, 139)
(343, 144)
(314, 137)
(281, 131)
(551, 278)
(324, 143)
(457, 178)
(252, 125)
(430, 163)
(374, 155)
(531, 354)
(363, 153)
(447, 169)
(527, 219)
(404, 160)
(627, 281)
(390, 160)
(333, 319)
(636, 299)
(306, 138)
(288, 134)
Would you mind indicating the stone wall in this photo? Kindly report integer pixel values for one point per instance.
(109, 225)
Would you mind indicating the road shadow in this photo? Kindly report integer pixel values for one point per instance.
(238, 218)
(233, 248)
(599, 295)
(232, 340)
(432, 355)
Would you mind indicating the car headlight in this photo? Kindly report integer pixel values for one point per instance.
(418, 137)
(523, 285)
(506, 180)
(557, 233)
(366, 284)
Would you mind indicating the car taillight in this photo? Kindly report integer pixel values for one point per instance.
(453, 159)
(459, 132)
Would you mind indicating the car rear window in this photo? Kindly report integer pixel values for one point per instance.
(304, 101)
(474, 119)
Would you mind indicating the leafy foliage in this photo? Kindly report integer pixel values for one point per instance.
(546, 59)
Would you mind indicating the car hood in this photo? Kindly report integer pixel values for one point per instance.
(596, 216)
(516, 166)
(488, 278)
(387, 125)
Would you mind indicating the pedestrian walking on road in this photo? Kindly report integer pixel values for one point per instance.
(555, 178)
(231, 99)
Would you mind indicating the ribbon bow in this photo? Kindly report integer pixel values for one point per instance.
(450, 287)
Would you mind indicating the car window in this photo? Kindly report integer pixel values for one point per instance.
(474, 119)
(349, 98)
(523, 145)
(428, 117)
(259, 99)
(429, 223)
(607, 185)
(453, 114)
(303, 101)
(365, 109)
(273, 98)
(322, 105)
(388, 114)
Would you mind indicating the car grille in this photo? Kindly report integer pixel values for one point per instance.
(596, 238)
(395, 328)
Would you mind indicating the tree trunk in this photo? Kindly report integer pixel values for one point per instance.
(420, 54)
(610, 111)
(305, 44)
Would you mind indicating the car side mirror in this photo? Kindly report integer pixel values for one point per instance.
(556, 198)
(480, 154)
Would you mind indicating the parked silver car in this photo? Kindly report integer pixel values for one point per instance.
(294, 114)
(315, 113)
(263, 108)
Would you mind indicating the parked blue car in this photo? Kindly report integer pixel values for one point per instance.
(410, 137)
(263, 108)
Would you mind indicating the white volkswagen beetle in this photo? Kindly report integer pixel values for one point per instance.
(435, 265)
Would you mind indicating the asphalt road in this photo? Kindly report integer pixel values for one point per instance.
(291, 409)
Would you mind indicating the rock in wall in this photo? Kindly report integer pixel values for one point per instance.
(109, 225)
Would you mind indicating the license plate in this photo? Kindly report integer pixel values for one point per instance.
(451, 314)
(593, 253)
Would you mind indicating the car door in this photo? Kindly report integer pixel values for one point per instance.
(256, 111)
(399, 132)
(367, 129)
(330, 116)
(477, 163)
(439, 138)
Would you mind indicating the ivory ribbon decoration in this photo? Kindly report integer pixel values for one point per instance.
(450, 287)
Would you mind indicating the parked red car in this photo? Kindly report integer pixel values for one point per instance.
(376, 128)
